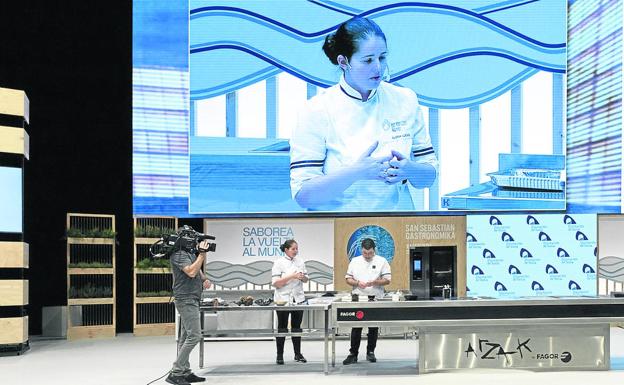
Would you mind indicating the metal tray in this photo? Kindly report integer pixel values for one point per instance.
(528, 179)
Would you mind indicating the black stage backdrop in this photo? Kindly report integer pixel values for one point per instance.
(74, 60)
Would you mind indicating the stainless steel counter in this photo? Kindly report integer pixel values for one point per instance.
(537, 333)
(325, 332)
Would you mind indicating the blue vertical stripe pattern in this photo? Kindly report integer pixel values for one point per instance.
(231, 114)
(516, 119)
(474, 127)
(434, 133)
(271, 107)
(594, 111)
(558, 113)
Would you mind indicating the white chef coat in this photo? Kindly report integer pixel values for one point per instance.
(293, 290)
(336, 127)
(362, 270)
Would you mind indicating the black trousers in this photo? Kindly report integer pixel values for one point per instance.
(356, 338)
(282, 326)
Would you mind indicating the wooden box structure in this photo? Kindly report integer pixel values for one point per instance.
(91, 253)
(14, 151)
(154, 312)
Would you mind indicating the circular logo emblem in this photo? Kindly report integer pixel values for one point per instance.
(566, 357)
(360, 314)
(384, 243)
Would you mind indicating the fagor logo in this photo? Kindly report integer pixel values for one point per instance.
(535, 286)
(588, 269)
(531, 220)
(488, 254)
(568, 220)
(476, 270)
(494, 221)
(574, 286)
(499, 286)
(506, 237)
(470, 238)
(580, 236)
(543, 237)
(513, 270)
(566, 357)
(561, 253)
(524, 253)
(550, 269)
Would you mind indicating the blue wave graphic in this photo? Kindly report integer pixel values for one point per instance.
(461, 59)
(259, 273)
(611, 268)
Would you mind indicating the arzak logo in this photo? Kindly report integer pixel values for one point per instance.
(488, 254)
(495, 221)
(470, 238)
(476, 270)
(573, 286)
(490, 350)
(561, 253)
(588, 269)
(550, 269)
(359, 314)
(580, 236)
(531, 220)
(566, 357)
(513, 270)
(568, 220)
(524, 253)
(543, 237)
(506, 237)
(499, 286)
(536, 286)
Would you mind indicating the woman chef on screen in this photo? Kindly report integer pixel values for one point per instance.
(360, 143)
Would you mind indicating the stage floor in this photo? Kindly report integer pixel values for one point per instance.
(138, 360)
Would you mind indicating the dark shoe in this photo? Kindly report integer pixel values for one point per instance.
(300, 358)
(370, 356)
(351, 359)
(279, 360)
(176, 380)
(193, 378)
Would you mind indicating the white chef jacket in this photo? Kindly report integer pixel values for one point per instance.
(336, 127)
(293, 290)
(362, 270)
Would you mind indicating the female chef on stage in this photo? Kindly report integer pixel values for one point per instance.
(360, 143)
(289, 274)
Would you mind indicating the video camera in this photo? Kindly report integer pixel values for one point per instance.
(185, 239)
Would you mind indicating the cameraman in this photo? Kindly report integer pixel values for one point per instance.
(188, 281)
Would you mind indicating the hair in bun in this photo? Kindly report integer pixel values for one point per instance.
(344, 40)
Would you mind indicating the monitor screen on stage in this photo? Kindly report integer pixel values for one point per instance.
(442, 106)
(11, 200)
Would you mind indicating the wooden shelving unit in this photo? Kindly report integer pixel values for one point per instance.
(154, 312)
(91, 258)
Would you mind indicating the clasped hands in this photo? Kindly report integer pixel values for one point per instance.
(391, 168)
(297, 275)
(364, 285)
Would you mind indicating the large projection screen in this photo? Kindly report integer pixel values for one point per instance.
(221, 90)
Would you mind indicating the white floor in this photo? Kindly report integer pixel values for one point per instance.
(139, 360)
